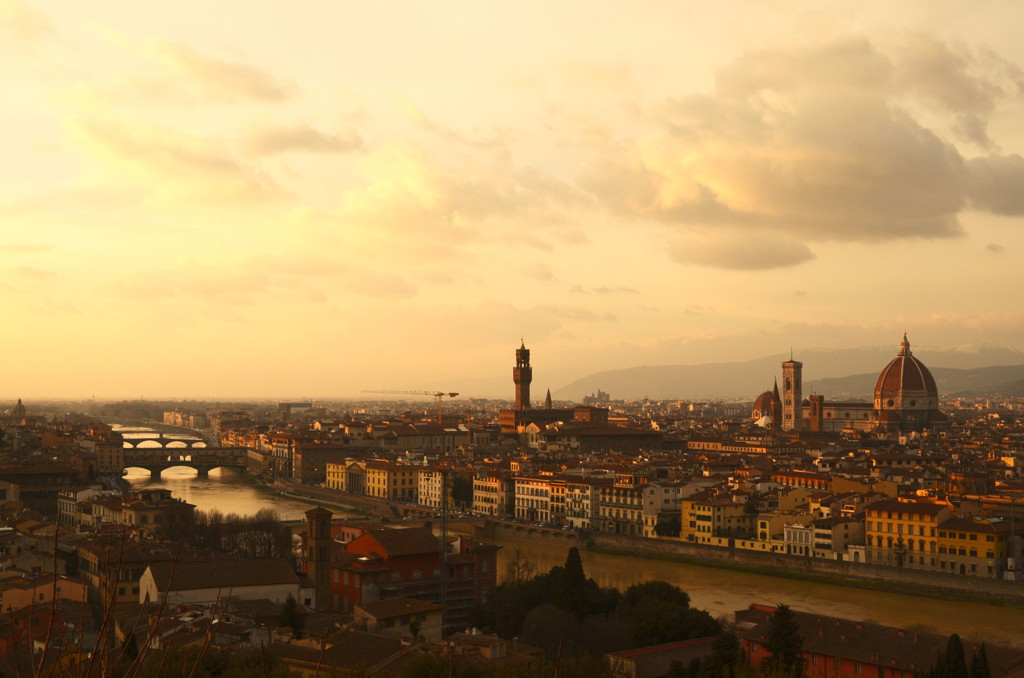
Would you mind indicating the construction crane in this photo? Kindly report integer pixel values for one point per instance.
(440, 395)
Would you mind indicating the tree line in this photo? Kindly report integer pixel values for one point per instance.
(261, 535)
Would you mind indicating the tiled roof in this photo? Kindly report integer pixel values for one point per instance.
(864, 641)
(397, 607)
(223, 574)
(402, 541)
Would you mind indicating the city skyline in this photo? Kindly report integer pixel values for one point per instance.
(253, 201)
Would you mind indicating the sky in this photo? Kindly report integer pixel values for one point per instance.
(321, 197)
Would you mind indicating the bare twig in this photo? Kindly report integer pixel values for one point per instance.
(136, 664)
(320, 659)
(14, 643)
(101, 635)
(209, 634)
(53, 603)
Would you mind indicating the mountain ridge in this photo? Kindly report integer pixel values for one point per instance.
(968, 370)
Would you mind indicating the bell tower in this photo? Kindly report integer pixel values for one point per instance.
(318, 555)
(792, 395)
(522, 375)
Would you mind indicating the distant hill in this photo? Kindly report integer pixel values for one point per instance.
(1007, 380)
(977, 369)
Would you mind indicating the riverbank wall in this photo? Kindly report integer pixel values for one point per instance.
(900, 580)
(371, 506)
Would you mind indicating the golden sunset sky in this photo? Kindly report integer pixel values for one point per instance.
(312, 198)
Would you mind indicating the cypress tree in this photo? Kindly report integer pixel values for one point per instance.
(570, 592)
(979, 664)
(784, 644)
(954, 661)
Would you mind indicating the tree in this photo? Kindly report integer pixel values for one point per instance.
(726, 652)
(290, 615)
(657, 612)
(668, 528)
(519, 568)
(979, 664)
(570, 592)
(953, 662)
(784, 644)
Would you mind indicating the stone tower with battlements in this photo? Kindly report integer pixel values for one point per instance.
(522, 375)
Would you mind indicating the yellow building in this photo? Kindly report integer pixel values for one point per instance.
(388, 480)
(975, 546)
(903, 534)
(493, 494)
(709, 515)
(622, 504)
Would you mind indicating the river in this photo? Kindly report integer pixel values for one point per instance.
(721, 592)
(224, 489)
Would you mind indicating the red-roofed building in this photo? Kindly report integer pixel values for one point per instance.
(841, 648)
(405, 562)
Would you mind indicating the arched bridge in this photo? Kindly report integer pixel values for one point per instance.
(164, 441)
(202, 459)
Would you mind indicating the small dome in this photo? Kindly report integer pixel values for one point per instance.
(763, 404)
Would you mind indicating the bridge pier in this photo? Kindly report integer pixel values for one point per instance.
(203, 472)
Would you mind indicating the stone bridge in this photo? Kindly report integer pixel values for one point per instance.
(202, 459)
(164, 441)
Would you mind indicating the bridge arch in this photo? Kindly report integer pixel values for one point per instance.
(162, 441)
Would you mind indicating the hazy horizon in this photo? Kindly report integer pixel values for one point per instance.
(329, 197)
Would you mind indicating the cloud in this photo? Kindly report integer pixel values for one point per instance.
(540, 272)
(380, 285)
(946, 78)
(171, 73)
(994, 248)
(22, 25)
(36, 274)
(740, 251)
(807, 145)
(298, 138)
(176, 168)
(217, 79)
(423, 122)
(27, 248)
(409, 196)
(246, 280)
(602, 289)
(997, 184)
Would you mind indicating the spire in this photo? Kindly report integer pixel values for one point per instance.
(522, 343)
(904, 345)
(547, 400)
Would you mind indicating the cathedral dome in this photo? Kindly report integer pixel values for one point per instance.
(905, 383)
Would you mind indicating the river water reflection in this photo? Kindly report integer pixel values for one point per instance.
(223, 490)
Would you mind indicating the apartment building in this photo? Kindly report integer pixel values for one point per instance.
(904, 534)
